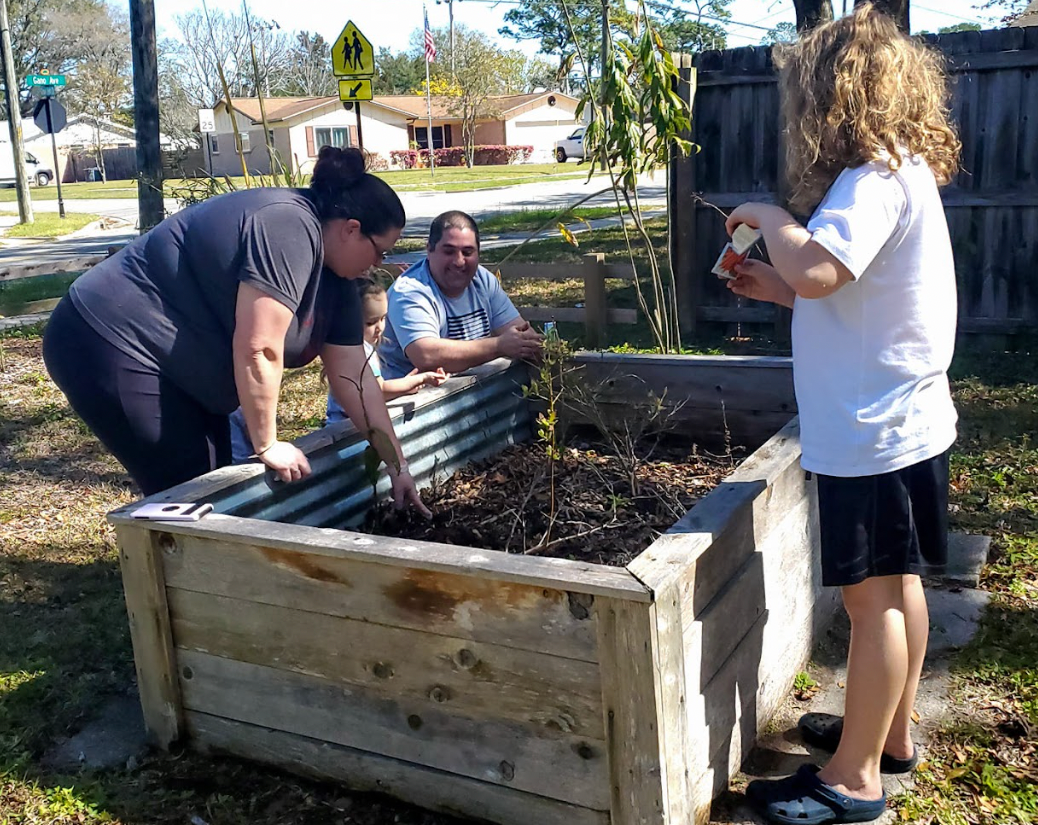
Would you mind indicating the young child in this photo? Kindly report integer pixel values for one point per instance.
(374, 306)
(872, 285)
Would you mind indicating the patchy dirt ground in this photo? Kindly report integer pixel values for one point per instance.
(590, 505)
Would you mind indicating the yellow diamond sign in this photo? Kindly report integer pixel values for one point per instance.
(355, 88)
(352, 54)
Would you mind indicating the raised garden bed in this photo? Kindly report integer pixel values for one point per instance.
(510, 687)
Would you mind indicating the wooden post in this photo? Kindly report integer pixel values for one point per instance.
(154, 654)
(636, 774)
(14, 121)
(595, 311)
(146, 113)
(681, 209)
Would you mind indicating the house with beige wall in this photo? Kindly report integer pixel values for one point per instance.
(300, 126)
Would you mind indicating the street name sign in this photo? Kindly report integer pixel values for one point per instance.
(45, 80)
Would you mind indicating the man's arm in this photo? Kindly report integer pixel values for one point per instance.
(428, 354)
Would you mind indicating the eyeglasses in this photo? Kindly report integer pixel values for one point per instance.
(380, 256)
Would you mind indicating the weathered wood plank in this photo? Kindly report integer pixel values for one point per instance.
(78, 263)
(764, 385)
(464, 607)
(568, 768)
(556, 272)
(468, 678)
(432, 789)
(576, 315)
(558, 574)
(636, 772)
(140, 557)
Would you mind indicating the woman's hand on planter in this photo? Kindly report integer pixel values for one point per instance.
(287, 460)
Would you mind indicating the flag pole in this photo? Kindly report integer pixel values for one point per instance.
(428, 100)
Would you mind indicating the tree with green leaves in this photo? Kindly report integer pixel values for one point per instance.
(397, 74)
(694, 28)
(546, 22)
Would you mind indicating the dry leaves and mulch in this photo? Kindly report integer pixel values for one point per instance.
(590, 506)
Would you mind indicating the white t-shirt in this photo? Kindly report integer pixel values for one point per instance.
(870, 361)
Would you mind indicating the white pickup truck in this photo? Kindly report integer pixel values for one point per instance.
(571, 147)
(37, 172)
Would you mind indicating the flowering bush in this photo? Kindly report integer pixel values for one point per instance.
(455, 156)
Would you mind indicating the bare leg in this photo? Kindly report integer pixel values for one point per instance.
(877, 675)
(917, 626)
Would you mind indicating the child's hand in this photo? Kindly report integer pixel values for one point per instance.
(433, 379)
(747, 214)
(761, 282)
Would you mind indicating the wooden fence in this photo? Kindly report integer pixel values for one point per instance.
(596, 315)
(992, 206)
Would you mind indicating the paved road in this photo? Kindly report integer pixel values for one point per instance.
(421, 208)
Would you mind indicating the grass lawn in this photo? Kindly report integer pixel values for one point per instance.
(15, 294)
(64, 645)
(526, 220)
(448, 179)
(49, 225)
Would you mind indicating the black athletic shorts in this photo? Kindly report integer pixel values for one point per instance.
(884, 525)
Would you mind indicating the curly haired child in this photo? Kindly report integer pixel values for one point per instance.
(872, 285)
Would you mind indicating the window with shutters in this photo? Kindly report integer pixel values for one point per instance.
(243, 143)
(214, 144)
(339, 138)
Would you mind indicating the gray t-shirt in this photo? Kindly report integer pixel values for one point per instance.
(168, 299)
(418, 309)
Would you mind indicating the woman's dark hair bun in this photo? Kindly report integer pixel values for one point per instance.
(341, 188)
(338, 168)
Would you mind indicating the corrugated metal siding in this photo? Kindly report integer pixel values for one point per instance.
(471, 424)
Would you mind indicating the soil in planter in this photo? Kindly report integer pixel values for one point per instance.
(601, 515)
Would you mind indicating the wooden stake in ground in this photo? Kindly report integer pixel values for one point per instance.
(14, 120)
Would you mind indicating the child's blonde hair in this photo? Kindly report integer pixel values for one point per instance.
(854, 88)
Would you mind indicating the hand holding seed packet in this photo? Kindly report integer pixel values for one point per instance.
(735, 251)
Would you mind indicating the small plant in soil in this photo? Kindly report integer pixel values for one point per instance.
(600, 482)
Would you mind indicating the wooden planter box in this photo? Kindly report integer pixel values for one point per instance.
(509, 688)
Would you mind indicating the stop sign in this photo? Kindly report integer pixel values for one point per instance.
(49, 115)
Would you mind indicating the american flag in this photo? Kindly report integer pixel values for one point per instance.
(430, 46)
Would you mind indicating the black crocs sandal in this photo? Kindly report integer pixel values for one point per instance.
(803, 799)
(823, 730)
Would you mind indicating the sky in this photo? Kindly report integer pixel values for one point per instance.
(390, 23)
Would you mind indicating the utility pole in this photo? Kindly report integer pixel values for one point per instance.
(450, 14)
(14, 120)
(146, 113)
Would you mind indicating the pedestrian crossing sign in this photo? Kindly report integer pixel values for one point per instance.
(355, 88)
(352, 54)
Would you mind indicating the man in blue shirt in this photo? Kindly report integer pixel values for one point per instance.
(448, 311)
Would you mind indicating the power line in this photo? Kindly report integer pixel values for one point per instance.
(947, 14)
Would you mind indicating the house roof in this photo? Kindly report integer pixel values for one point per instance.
(1028, 17)
(411, 106)
(278, 108)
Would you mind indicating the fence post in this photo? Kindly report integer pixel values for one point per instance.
(595, 318)
(681, 210)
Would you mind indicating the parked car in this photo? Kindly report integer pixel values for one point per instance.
(38, 173)
(571, 147)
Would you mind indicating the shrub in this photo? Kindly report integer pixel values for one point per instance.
(374, 162)
(498, 155)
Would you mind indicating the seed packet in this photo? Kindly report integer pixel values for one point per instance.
(735, 251)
